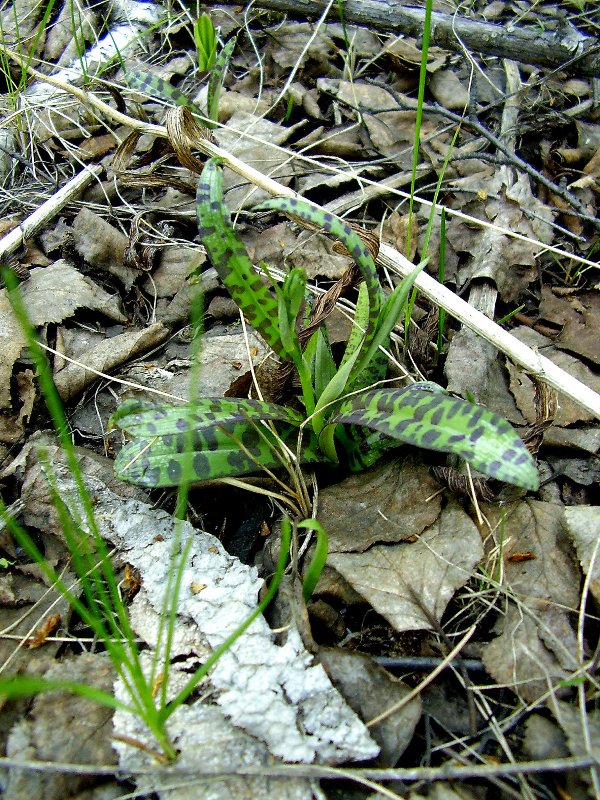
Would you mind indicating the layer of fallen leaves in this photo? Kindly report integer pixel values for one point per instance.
(415, 566)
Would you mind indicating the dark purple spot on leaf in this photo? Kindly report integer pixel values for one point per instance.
(477, 434)
(437, 416)
(201, 466)
(429, 438)
(174, 470)
(151, 476)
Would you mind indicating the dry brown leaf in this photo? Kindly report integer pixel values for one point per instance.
(289, 43)
(254, 150)
(411, 584)
(510, 263)
(54, 293)
(63, 726)
(583, 526)
(107, 355)
(50, 295)
(102, 246)
(579, 314)
(392, 502)
(523, 389)
(370, 690)
(449, 91)
(12, 341)
(280, 247)
(536, 643)
(473, 366)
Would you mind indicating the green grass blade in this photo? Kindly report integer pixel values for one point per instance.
(317, 564)
(24, 686)
(424, 415)
(229, 258)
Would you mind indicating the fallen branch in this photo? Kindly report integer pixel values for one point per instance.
(37, 221)
(316, 771)
(564, 48)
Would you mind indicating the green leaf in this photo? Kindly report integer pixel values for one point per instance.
(150, 419)
(359, 324)
(317, 564)
(209, 439)
(426, 416)
(290, 297)
(206, 42)
(217, 76)
(371, 367)
(229, 258)
(324, 365)
(221, 452)
(158, 87)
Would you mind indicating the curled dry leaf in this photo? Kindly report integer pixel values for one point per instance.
(106, 356)
(50, 295)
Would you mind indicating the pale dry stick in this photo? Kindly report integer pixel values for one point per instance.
(49, 209)
(520, 353)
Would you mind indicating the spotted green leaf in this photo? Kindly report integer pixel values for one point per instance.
(350, 239)
(148, 419)
(156, 86)
(229, 258)
(426, 416)
(213, 438)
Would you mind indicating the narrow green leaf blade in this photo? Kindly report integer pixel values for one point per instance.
(319, 559)
(324, 364)
(426, 416)
(217, 76)
(229, 258)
